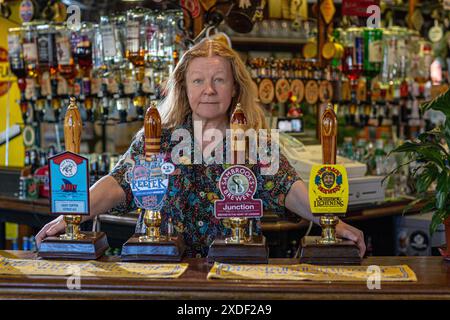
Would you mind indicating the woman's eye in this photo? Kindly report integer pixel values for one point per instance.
(219, 80)
(197, 81)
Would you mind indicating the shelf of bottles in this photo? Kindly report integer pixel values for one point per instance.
(112, 67)
(377, 76)
(384, 75)
(115, 68)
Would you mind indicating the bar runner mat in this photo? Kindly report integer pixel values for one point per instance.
(307, 272)
(29, 267)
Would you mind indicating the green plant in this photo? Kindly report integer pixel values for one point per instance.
(430, 151)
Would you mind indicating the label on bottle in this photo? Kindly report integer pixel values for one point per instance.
(129, 85)
(96, 83)
(77, 88)
(46, 88)
(62, 88)
(133, 36)
(30, 89)
(401, 48)
(392, 52)
(112, 85)
(44, 49)
(375, 51)
(30, 52)
(13, 44)
(147, 86)
(109, 43)
(63, 49)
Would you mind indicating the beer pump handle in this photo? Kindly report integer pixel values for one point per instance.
(238, 121)
(72, 127)
(152, 132)
(328, 133)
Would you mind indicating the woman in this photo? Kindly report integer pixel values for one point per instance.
(204, 88)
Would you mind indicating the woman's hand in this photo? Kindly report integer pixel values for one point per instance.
(346, 231)
(51, 229)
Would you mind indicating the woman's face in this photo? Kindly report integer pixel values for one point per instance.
(210, 87)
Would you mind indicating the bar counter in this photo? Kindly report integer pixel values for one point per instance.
(433, 275)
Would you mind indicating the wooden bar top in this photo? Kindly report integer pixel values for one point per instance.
(433, 275)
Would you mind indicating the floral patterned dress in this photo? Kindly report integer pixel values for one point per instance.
(192, 190)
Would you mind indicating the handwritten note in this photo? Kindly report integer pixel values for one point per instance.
(306, 272)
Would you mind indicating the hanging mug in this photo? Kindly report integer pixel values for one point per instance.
(241, 19)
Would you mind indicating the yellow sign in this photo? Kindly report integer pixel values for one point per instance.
(328, 189)
(13, 153)
(307, 272)
(91, 269)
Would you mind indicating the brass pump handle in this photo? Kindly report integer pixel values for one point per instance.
(238, 121)
(152, 132)
(328, 130)
(72, 127)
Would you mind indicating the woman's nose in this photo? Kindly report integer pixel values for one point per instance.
(209, 89)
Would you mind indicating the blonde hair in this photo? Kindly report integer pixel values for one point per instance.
(174, 108)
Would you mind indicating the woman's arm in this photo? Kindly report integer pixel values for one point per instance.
(104, 195)
(297, 201)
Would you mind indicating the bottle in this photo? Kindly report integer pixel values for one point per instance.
(348, 148)
(15, 53)
(46, 46)
(380, 157)
(109, 40)
(30, 50)
(15, 245)
(373, 51)
(33, 243)
(25, 244)
(83, 49)
(66, 64)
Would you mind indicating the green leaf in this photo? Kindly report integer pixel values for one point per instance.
(430, 206)
(434, 134)
(407, 146)
(426, 178)
(410, 205)
(440, 103)
(442, 191)
(438, 217)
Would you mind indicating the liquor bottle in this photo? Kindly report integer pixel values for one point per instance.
(30, 50)
(373, 51)
(46, 45)
(352, 61)
(66, 64)
(15, 53)
(17, 65)
(108, 37)
(135, 44)
(83, 48)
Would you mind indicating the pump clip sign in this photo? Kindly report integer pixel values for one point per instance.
(328, 189)
(69, 184)
(149, 182)
(238, 185)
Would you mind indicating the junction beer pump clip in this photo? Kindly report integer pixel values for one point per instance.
(149, 182)
(238, 185)
(69, 196)
(328, 197)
